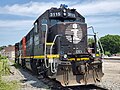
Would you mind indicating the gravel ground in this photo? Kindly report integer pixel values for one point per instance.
(110, 81)
(111, 78)
(26, 80)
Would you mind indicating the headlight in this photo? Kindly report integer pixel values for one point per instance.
(64, 14)
(65, 56)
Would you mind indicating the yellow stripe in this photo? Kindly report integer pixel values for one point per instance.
(53, 56)
(42, 56)
(78, 59)
(38, 56)
(49, 43)
(27, 57)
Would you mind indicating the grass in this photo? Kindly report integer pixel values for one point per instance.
(0, 70)
(13, 85)
(5, 70)
(4, 67)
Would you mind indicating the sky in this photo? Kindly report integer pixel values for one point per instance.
(17, 16)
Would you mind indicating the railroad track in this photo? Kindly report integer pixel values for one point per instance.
(86, 87)
(55, 85)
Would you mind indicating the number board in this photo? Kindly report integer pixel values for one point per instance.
(62, 13)
(55, 14)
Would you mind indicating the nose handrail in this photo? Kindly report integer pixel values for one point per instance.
(98, 40)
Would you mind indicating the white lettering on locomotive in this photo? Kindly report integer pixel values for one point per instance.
(71, 14)
(55, 14)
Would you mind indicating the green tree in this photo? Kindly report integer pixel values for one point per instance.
(90, 41)
(111, 43)
(2, 47)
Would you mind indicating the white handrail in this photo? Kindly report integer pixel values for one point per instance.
(98, 39)
(101, 46)
(45, 46)
(53, 69)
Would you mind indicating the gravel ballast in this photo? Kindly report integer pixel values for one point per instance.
(110, 80)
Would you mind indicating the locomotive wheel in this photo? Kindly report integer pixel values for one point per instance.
(46, 70)
(23, 63)
(45, 75)
(34, 66)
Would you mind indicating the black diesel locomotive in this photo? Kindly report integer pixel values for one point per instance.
(56, 47)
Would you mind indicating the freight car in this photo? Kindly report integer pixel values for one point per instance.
(57, 47)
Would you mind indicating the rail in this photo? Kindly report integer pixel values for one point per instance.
(113, 58)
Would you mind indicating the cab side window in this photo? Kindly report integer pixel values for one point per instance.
(44, 24)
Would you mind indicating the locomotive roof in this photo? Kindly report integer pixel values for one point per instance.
(57, 13)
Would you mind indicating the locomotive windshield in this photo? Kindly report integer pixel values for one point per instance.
(55, 21)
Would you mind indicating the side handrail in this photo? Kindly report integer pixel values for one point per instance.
(52, 61)
(45, 56)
